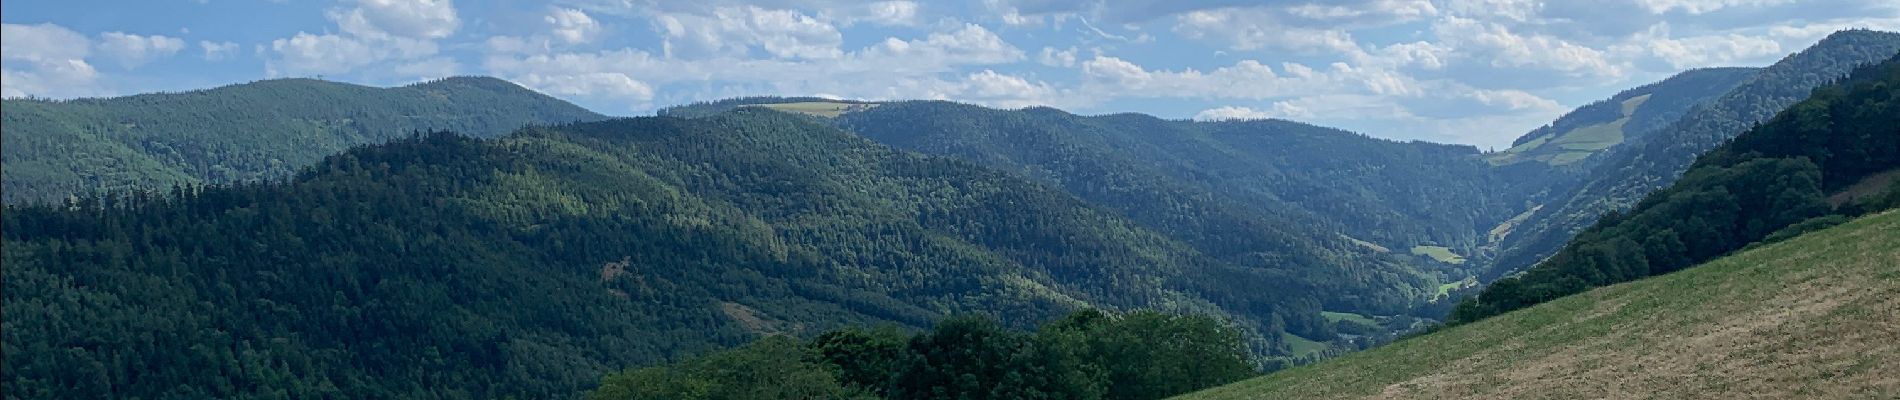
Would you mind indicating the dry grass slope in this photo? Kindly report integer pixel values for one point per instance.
(1813, 317)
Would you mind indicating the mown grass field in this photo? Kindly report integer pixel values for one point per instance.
(1817, 316)
(1441, 253)
(818, 108)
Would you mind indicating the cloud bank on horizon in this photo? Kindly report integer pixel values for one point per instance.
(1478, 72)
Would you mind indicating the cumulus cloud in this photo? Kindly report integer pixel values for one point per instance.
(416, 19)
(45, 60)
(1226, 113)
(134, 50)
(215, 51)
(1699, 51)
(572, 25)
(893, 68)
(398, 34)
(1057, 58)
(732, 31)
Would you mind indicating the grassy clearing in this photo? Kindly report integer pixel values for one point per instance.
(1872, 185)
(1445, 289)
(819, 108)
(1302, 347)
(1441, 253)
(1341, 316)
(1630, 105)
(1503, 229)
(1366, 244)
(1812, 317)
(1572, 146)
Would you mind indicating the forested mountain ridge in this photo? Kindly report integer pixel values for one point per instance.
(1771, 182)
(1303, 175)
(446, 266)
(1622, 176)
(259, 130)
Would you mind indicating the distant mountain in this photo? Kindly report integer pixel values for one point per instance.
(533, 264)
(1808, 318)
(1315, 182)
(1623, 175)
(1599, 126)
(259, 130)
(1790, 174)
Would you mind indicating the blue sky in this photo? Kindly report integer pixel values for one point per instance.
(1461, 71)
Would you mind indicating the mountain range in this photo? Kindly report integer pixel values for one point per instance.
(471, 238)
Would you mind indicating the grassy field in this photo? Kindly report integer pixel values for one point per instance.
(1302, 346)
(1366, 244)
(1574, 145)
(1503, 229)
(819, 108)
(1340, 316)
(1812, 317)
(1441, 253)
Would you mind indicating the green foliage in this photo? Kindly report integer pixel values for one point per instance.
(1749, 190)
(530, 265)
(1271, 195)
(256, 131)
(1086, 355)
(776, 367)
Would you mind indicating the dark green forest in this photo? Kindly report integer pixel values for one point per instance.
(531, 265)
(1774, 181)
(1086, 355)
(255, 131)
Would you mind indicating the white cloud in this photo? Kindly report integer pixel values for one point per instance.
(572, 25)
(918, 68)
(43, 43)
(217, 50)
(397, 35)
(320, 54)
(134, 50)
(1057, 58)
(45, 60)
(1693, 7)
(1226, 113)
(416, 19)
(732, 31)
(1253, 28)
(1481, 40)
(889, 13)
(1698, 51)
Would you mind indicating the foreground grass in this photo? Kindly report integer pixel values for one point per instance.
(1814, 317)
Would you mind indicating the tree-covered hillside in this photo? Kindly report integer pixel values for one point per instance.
(1302, 180)
(1771, 182)
(259, 130)
(1624, 175)
(531, 265)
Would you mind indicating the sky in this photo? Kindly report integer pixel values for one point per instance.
(1479, 72)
